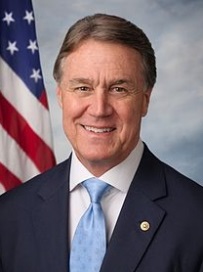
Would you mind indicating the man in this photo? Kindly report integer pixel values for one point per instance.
(105, 72)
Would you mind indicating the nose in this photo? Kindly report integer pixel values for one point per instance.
(100, 105)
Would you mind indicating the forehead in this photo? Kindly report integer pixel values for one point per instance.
(92, 57)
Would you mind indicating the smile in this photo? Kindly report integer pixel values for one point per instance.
(98, 130)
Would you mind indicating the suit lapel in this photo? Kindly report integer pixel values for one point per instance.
(50, 221)
(139, 219)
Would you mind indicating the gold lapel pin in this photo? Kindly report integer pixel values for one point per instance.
(145, 226)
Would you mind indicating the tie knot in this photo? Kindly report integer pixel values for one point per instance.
(95, 188)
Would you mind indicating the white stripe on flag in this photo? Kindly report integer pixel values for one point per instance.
(20, 164)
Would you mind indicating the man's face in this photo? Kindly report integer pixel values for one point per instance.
(103, 101)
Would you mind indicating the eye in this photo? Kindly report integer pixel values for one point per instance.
(83, 89)
(119, 90)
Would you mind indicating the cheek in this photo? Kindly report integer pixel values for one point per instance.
(130, 117)
(69, 105)
(69, 115)
(72, 110)
(131, 112)
(69, 110)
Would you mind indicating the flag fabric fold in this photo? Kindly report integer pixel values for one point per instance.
(26, 147)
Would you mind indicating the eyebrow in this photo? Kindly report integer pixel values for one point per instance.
(80, 80)
(122, 81)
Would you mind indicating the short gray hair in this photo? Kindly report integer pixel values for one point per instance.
(108, 28)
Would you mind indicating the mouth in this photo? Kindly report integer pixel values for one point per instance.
(98, 130)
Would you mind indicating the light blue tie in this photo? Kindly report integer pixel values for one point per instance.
(89, 242)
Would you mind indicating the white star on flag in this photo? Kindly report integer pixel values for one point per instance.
(36, 75)
(32, 46)
(12, 47)
(29, 16)
(8, 18)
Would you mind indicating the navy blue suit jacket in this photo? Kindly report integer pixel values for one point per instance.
(34, 223)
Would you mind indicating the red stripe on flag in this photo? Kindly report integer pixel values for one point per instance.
(43, 100)
(8, 179)
(18, 128)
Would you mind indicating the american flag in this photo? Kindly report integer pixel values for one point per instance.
(25, 132)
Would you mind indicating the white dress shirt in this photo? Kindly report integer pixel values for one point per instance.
(119, 177)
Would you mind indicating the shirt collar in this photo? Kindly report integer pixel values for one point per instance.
(120, 176)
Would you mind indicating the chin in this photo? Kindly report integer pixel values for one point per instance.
(95, 157)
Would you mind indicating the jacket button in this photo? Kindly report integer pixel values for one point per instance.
(145, 226)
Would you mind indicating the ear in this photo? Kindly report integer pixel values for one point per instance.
(59, 96)
(146, 100)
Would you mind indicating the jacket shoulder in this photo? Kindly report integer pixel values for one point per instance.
(177, 185)
(26, 193)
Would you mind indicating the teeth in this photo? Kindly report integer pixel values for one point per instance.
(98, 130)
